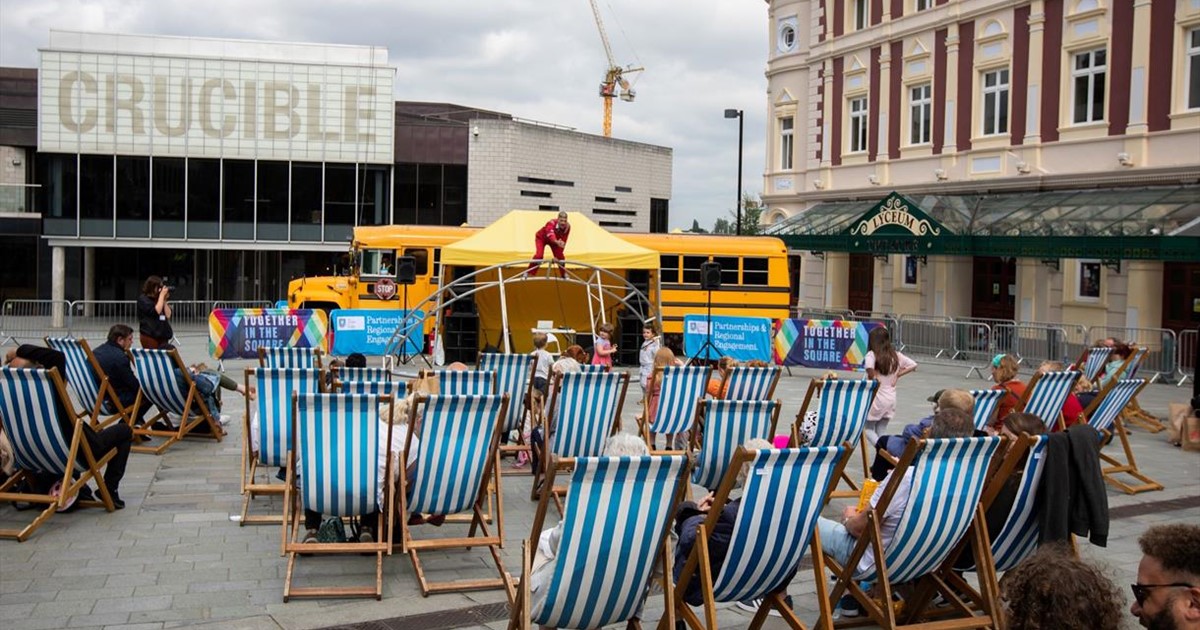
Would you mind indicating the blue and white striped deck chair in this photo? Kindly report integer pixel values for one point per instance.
(948, 479)
(1104, 414)
(290, 357)
(1045, 395)
(514, 376)
(752, 383)
(781, 500)
(465, 382)
(1018, 537)
(680, 393)
(584, 411)
(614, 524)
(841, 417)
(1135, 363)
(1093, 361)
(986, 403)
(88, 382)
(30, 419)
(376, 388)
(455, 467)
(363, 374)
(588, 368)
(157, 371)
(728, 424)
(269, 417)
(335, 450)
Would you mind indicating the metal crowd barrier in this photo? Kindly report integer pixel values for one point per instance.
(928, 336)
(1033, 343)
(890, 321)
(820, 313)
(30, 320)
(1162, 344)
(1187, 356)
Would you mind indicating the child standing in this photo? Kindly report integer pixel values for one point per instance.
(650, 346)
(542, 359)
(886, 365)
(603, 353)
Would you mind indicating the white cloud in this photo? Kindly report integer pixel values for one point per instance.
(535, 59)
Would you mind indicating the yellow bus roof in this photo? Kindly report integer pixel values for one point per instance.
(715, 244)
(409, 235)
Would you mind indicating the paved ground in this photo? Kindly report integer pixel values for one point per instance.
(175, 558)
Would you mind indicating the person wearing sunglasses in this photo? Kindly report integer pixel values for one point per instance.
(1167, 593)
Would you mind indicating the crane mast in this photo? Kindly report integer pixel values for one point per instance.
(614, 83)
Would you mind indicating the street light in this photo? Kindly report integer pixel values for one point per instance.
(737, 113)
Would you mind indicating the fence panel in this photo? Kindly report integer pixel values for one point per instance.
(927, 336)
(91, 319)
(1033, 344)
(821, 313)
(27, 321)
(1161, 343)
(1187, 355)
(892, 323)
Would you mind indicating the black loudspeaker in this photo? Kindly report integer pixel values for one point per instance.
(406, 270)
(710, 276)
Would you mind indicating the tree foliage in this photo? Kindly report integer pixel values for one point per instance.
(752, 210)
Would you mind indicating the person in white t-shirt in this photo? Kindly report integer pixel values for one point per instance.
(839, 539)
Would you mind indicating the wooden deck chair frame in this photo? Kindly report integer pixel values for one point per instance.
(294, 511)
(1133, 413)
(1088, 365)
(21, 436)
(540, 477)
(194, 411)
(488, 490)
(684, 412)
(521, 615)
(704, 445)
(525, 408)
(264, 355)
(1055, 423)
(85, 366)
(736, 373)
(862, 448)
(699, 565)
(1108, 421)
(942, 576)
(251, 459)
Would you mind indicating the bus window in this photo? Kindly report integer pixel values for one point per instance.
(420, 257)
(729, 269)
(668, 267)
(754, 272)
(437, 264)
(691, 268)
(377, 262)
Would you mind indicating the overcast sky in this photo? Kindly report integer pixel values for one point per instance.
(534, 59)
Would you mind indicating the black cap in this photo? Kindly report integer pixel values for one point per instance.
(936, 395)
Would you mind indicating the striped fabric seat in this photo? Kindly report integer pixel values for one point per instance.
(784, 492)
(514, 376)
(363, 374)
(274, 407)
(1046, 394)
(1106, 418)
(1110, 405)
(729, 424)
(842, 413)
(1096, 358)
(289, 357)
(752, 383)
(336, 439)
(588, 368)
(947, 482)
(466, 382)
(167, 383)
(681, 390)
(584, 411)
(1135, 364)
(457, 433)
(156, 372)
(616, 513)
(1019, 536)
(30, 421)
(986, 402)
(81, 375)
(375, 388)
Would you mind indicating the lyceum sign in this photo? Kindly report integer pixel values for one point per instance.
(895, 212)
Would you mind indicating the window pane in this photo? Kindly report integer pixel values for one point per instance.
(373, 193)
(1081, 99)
(1083, 61)
(239, 200)
(133, 197)
(1002, 121)
(272, 201)
(669, 268)
(1098, 97)
(204, 198)
(454, 194)
(1004, 77)
(169, 192)
(989, 113)
(1194, 81)
(96, 194)
(57, 197)
(429, 194)
(1196, 38)
(406, 194)
(691, 268)
(339, 201)
(1101, 57)
(306, 201)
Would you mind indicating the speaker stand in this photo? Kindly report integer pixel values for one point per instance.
(404, 357)
(708, 345)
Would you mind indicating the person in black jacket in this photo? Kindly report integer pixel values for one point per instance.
(154, 314)
(117, 436)
(115, 365)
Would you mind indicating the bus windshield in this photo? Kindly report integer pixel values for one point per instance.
(377, 262)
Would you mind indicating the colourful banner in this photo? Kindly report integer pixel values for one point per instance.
(818, 343)
(368, 330)
(238, 333)
(743, 338)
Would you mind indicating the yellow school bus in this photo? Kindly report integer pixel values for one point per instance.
(754, 272)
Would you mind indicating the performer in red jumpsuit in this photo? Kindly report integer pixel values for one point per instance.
(554, 234)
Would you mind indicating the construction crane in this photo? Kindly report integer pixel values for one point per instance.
(615, 83)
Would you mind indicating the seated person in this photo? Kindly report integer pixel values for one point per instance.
(1053, 588)
(718, 382)
(688, 519)
(1072, 410)
(116, 436)
(1004, 374)
(116, 366)
(573, 354)
(209, 384)
(839, 539)
(1121, 353)
(959, 399)
(808, 426)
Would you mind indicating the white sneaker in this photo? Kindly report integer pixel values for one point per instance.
(751, 606)
(224, 419)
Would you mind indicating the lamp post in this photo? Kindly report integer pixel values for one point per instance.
(738, 114)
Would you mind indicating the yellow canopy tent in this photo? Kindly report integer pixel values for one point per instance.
(589, 296)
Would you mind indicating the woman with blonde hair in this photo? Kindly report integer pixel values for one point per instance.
(1004, 374)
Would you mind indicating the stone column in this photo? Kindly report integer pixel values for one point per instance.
(89, 279)
(58, 286)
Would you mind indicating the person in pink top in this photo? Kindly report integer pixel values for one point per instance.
(554, 234)
(886, 365)
(603, 353)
